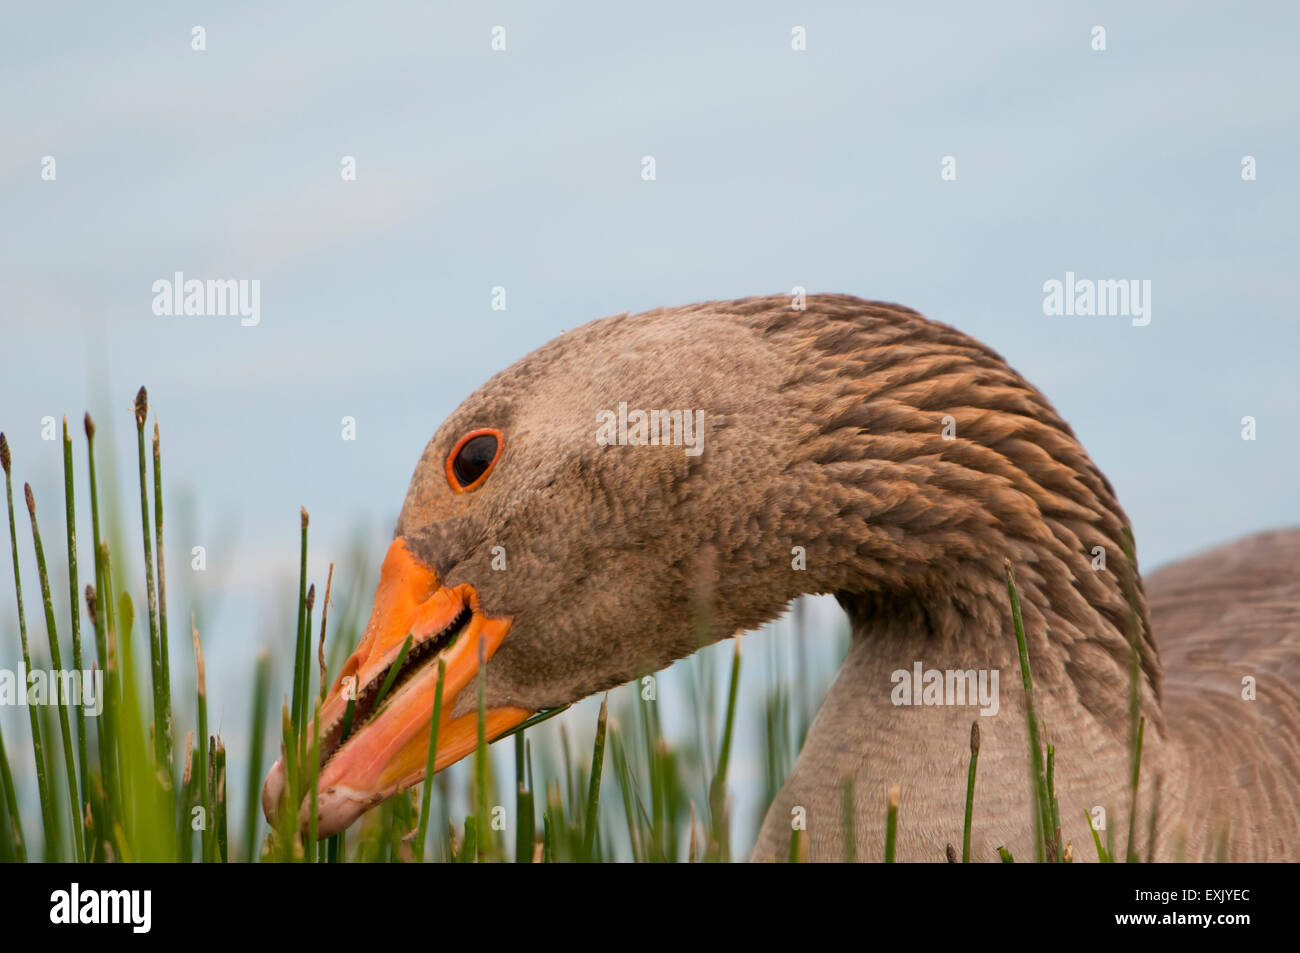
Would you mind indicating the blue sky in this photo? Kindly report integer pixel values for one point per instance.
(521, 168)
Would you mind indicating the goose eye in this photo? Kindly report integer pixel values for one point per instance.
(472, 459)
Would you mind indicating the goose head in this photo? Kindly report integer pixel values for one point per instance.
(547, 534)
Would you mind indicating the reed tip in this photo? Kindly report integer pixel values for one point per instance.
(5, 459)
(199, 667)
(303, 511)
(311, 596)
(90, 426)
(31, 500)
(974, 737)
(141, 407)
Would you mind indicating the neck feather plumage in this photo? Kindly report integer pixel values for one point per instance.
(937, 465)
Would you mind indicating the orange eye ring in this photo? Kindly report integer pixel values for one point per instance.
(465, 474)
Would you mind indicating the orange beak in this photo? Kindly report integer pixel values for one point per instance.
(387, 747)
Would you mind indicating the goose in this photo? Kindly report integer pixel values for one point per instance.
(848, 447)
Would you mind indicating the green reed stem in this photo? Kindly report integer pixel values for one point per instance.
(335, 853)
(110, 755)
(74, 594)
(101, 644)
(100, 613)
(201, 703)
(261, 703)
(49, 816)
(1035, 745)
(1102, 856)
(288, 817)
(525, 823)
(313, 767)
(480, 752)
(161, 740)
(301, 650)
(422, 828)
(1130, 851)
(320, 651)
(184, 832)
(56, 658)
(304, 739)
(593, 789)
(718, 788)
(220, 850)
(1054, 833)
(11, 806)
(393, 669)
(970, 790)
(546, 714)
(164, 658)
(469, 847)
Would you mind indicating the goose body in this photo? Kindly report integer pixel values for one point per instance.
(905, 465)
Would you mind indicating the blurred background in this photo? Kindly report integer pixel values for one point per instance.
(522, 169)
